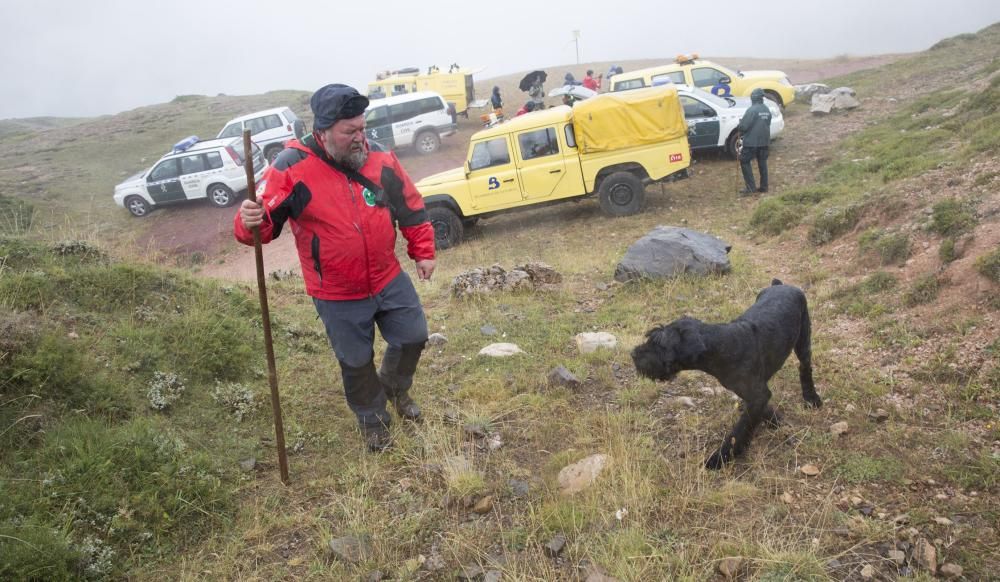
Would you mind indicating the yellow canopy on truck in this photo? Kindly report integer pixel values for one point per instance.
(625, 119)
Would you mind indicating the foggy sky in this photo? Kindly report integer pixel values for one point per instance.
(73, 58)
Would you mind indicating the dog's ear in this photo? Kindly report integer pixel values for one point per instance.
(692, 344)
(664, 337)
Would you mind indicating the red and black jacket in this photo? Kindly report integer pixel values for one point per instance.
(345, 233)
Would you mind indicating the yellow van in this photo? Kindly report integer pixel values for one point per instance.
(693, 71)
(608, 147)
(455, 85)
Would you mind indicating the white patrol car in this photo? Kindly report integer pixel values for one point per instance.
(418, 119)
(192, 170)
(713, 121)
(269, 129)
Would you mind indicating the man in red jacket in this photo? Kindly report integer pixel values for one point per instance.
(343, 198)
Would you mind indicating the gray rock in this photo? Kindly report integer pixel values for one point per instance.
(475, 429)
(560, 376)
(806, 91)
(493, 576)
(667, 251)
(437, 339)
(375, 576)
(518, 488)
(350, 550)
(482, 280)
(730, 567)
(925, 554)
(589, 342)
(248, 464)
(555, 546)
(488, 330)
(950, 570)
(501, 350)
(839, 98)
(581, 474)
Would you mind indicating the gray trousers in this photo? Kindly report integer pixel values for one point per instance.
(350, 325)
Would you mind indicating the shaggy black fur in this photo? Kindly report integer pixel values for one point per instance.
(742, 355)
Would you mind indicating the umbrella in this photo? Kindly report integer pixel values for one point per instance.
(532, 78)
(574, 91)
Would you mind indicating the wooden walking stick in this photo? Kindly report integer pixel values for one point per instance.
(272, 374)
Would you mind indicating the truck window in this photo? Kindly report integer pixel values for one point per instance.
(706, 76)
(272, 122)
(629, 84)
(192, 164)
(538, 143)
(430, 105)
(377, 117)
(694, 108)
(403, 111)
(489, 153)
(232, 130)
(570, 136)
(676, 77)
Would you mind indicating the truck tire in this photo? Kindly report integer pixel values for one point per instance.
(220, 195)
(448, 229)
(622, 194)
(427, 142)
(734, 144)
(137, 206)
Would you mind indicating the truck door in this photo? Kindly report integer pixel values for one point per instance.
(378, 127)
(541, 166)
(702, 121)
(493, 179)
(164, 184)
(193, 173)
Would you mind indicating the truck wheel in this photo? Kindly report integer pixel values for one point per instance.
(622, 194)
(221, 195)
(137, 205)
(427, 142)
(773, 96)
(734, 144)
(447, 225)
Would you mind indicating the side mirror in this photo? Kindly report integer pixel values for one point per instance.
(725, 80)
(467, 171)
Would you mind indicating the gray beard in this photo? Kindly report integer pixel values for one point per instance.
(352, 160)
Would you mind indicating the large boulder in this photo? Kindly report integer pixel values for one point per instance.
(805, 92)
(667, 251)
(839, 98)
(486, 280)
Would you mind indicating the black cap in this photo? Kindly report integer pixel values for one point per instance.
(335, 102)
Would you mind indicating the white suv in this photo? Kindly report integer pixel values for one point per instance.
(418, 119)
(192, 170)
(269, 129)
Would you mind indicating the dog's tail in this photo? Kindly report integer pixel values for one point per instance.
(776, 282)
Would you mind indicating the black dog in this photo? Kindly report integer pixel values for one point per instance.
(742, 355)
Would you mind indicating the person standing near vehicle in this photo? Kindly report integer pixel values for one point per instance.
(497, 102)
(344, 197)
(755, 128)
(590, 82)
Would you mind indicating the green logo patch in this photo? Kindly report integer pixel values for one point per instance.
(369, 197)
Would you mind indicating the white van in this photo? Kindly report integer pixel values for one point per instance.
(415, 119)
(269, 129)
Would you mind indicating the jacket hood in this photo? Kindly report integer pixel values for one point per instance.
(757, 96)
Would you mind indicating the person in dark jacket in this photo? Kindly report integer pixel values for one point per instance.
(495, 99)
(343, 198)
(755, 127)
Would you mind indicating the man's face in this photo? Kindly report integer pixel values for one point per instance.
(344, 141)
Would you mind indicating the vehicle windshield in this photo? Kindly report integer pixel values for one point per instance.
(725, 103)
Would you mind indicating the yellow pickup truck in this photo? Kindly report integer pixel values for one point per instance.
(610, 146)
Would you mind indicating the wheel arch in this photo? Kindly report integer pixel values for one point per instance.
(635, 168)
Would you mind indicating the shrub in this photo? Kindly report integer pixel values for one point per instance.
(947, 252)
(878, 282)
(924, 290)
(164, 389)
(834, 222)
(236, 398)
(988, 265)
(16, 215)
(891, 248)
(951, 217)
(774, 216)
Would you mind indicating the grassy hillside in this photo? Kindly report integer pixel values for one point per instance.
(136, 441)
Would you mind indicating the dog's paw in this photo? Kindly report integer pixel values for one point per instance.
(814, 401)
(717, 461)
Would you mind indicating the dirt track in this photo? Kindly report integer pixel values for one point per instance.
(200, 229)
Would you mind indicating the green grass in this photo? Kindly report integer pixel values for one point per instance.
(951, 218)
(988, 265)
(924, 290)
(889, 248)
